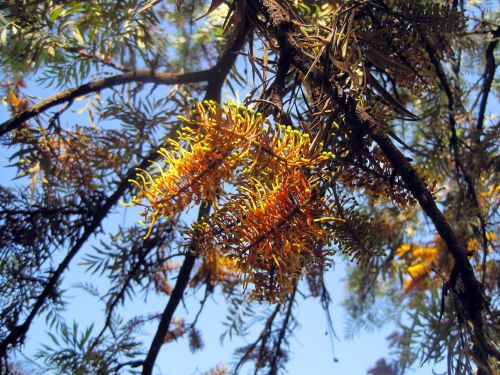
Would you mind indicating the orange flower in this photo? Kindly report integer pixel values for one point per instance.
(272, 234)
(216, 269)
(194, 174)
(200, 161)
(420, 259)
(275, 225)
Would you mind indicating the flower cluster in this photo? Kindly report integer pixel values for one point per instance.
(203, 156)
(420, 261)
(273, 226)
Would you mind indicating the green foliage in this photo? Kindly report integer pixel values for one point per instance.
(79, 352)
(71, 39)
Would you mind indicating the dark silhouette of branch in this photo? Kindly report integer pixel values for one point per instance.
(463, 282)
(132, 364)
(144, 76)
(18, 333)
(45, 211)
(274, 104)
(461, 171)
(213, 92)
(208, 291)
(488, 75)
(174, 300)
(264, 336)
(277, 346)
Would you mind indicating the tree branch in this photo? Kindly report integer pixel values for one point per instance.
(263, 337)
(18, 333)
(488, 75)
(275, 93)
(144, 76)
(277, 346)
(464, 282)
(174, 300)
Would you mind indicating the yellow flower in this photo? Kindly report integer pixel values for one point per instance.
(420, 259)
(403, 249)
(208, 152)
(472, 244)
(418, 270)
(491, 236)
(427, 254)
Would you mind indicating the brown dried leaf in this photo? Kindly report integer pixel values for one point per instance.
(347, 35)
(382, 62)
(395, 104)
(213, 6)
(264, 67)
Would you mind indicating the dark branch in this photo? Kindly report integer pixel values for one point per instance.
(144, 76)
(282, 334)
(18, 333)
(276, 91)
(263, 337)
(488, 75)
(174, 300)
(468, 288)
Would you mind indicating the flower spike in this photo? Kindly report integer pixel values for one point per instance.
(271, 232)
